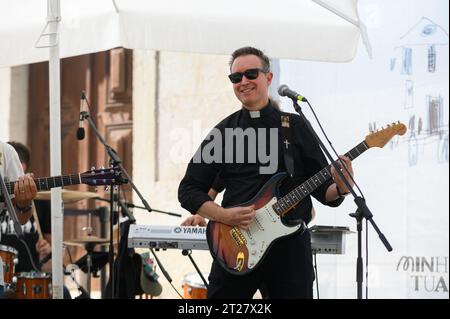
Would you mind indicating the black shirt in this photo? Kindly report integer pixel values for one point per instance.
(9, 238)
(243, 180)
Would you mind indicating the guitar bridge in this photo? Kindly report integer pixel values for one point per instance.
(236, 234)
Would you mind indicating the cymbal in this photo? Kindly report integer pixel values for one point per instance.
(87, 240)
(68, 195)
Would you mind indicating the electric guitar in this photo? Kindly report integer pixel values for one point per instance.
(240, 251)
(94, 177)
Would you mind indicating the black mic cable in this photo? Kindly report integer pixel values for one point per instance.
(284, 90)
(166, 274)
(30, 256)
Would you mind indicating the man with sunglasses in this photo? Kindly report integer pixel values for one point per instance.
(286, 271)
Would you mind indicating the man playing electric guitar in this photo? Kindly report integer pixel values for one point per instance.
(286, 270)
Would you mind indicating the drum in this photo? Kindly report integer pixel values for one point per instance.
(33, 285)
(9, 259)
(194, 287)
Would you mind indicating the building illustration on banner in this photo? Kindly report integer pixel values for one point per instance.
(417, 58)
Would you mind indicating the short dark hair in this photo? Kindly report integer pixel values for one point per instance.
(23, 152)
(251, 51)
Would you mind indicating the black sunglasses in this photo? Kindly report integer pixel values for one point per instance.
(250, 74)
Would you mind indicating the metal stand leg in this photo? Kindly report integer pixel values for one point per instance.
(188, 252)
(89, 265)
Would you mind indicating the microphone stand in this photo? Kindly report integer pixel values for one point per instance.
(83, 293)
(362, 210)
(154, 210)
(131, 205)
(125, 211)
(117, 162)
(114, 160)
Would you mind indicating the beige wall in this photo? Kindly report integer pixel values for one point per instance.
(19, 104)
(173, 107)
(13, 103)
(5, 94)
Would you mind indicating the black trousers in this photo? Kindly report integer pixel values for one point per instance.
(286, 272)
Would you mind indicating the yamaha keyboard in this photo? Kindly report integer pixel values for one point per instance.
(167, 237)
(324, 239)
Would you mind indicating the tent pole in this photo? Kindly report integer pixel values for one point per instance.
(53, 18)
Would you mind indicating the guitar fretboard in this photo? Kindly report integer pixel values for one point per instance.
(46, 183)
(294, 197)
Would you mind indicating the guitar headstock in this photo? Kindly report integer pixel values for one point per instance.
(103, 176)
(381, 137)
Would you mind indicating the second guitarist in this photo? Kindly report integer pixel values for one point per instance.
(286, 271)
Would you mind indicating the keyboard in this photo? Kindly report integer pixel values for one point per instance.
(167, 237)
(324, 239)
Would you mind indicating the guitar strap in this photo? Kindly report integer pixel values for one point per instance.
(288, 149)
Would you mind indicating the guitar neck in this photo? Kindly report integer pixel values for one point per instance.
(46, 183)
(289, 201)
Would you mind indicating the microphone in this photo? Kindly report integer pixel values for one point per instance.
(284, 90)
(80, 131)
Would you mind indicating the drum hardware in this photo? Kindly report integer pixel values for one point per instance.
(67, 196)
(33, 285)
(98, 260)
(69, 270)
(88, 243)
(9, 259)
(88, 229)
(193, 287)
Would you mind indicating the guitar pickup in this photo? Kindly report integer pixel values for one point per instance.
(236, 234)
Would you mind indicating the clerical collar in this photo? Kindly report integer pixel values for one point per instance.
(254, 114)
(265, 111)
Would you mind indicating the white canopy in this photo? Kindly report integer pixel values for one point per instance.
(320, 30)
